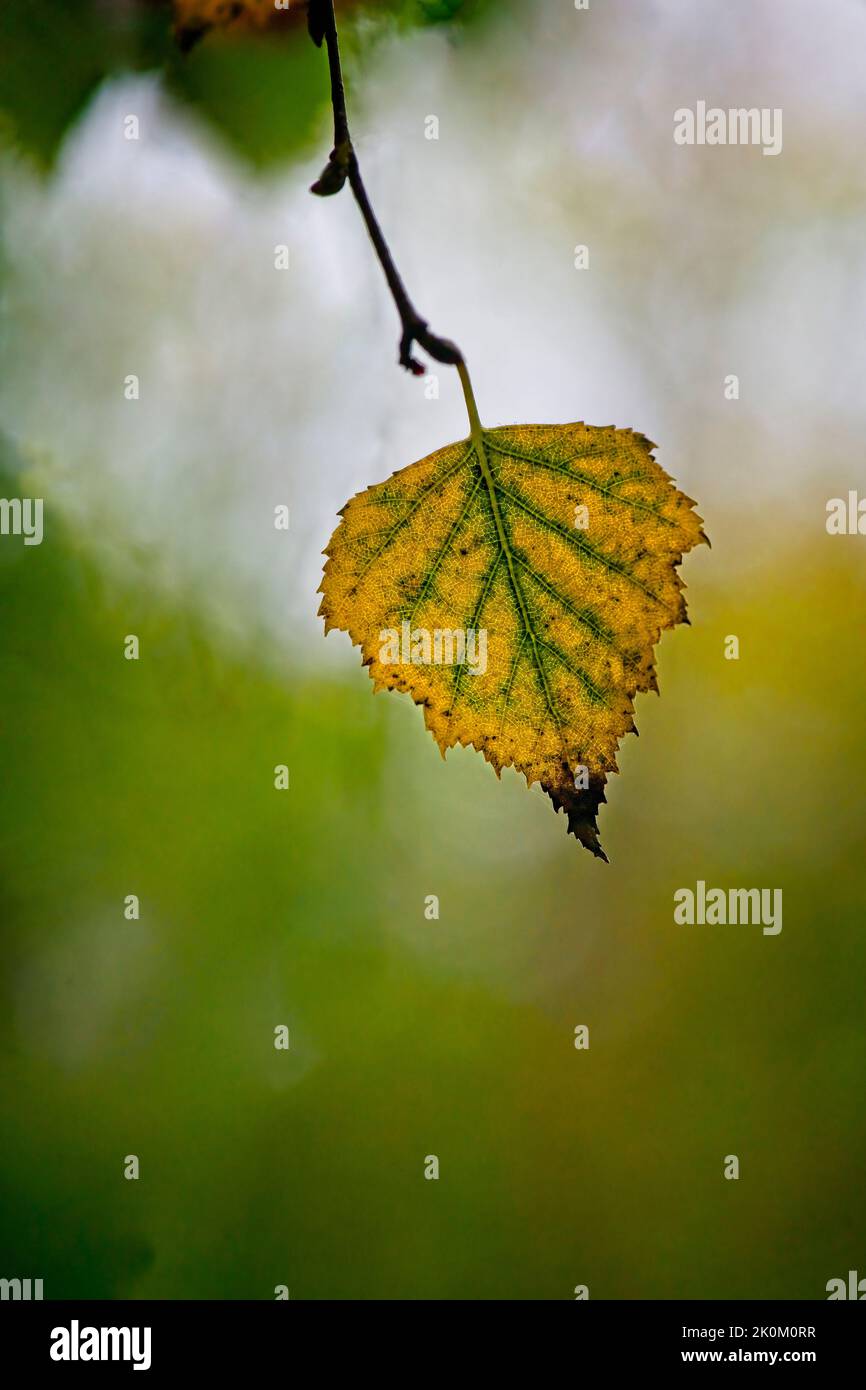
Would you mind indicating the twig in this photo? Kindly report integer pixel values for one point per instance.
(342, 166)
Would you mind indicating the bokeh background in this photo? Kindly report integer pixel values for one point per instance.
(410, 1037)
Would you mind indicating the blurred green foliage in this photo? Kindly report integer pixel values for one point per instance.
(265, 93)
(267, 98)
(52, 58)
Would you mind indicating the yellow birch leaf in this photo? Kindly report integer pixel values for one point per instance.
(515, 584)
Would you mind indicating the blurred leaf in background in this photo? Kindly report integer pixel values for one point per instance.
(268, 92)
(260, 82)
(53, 56)
(193, 19)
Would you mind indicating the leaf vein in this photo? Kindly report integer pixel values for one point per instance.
(577, 672)
(442, 552)
(597, 555)
(422, 497)
(601, 633)
(476, 614)
(604, 489)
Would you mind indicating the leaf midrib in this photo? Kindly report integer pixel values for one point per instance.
(517, 590)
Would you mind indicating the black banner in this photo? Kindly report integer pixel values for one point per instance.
(219, 1339)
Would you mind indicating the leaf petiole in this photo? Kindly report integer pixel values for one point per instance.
(475, 426)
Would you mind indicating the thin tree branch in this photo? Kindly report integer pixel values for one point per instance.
(342, 166)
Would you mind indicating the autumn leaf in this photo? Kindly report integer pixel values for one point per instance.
(195, 18)
(558, 543)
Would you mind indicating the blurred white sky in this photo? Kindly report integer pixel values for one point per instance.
(258, 387)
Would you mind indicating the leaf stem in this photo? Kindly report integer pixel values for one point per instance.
(475, 426)
(343, 166)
